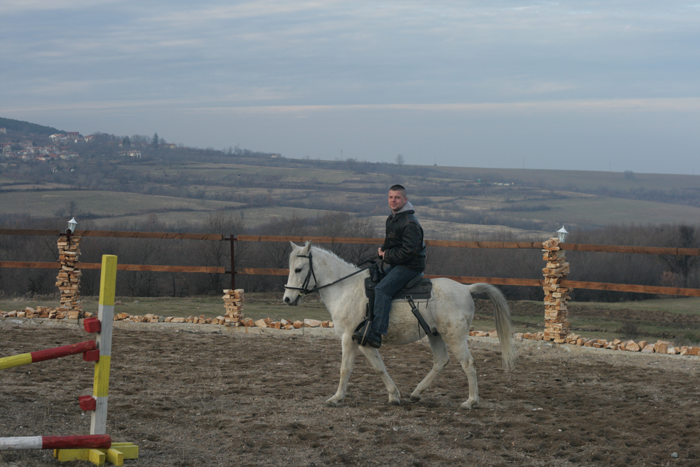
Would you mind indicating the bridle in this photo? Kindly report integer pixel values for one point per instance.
(304, 289)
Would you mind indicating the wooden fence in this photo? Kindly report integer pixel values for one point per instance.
(365, 241)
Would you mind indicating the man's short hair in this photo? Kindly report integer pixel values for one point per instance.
(398, 187)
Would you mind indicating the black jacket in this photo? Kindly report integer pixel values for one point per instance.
(403, 244)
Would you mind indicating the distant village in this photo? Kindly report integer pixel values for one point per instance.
(60, 148)
(27, 152)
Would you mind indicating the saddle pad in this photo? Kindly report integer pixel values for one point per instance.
(420, 291)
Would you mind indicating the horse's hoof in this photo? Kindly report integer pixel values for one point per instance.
(415, 397)
(332, 402)
(395, 401)
(468, 405)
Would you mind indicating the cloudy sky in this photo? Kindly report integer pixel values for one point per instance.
(594, 85)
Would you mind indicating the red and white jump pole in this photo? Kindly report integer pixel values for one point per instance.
(87, 348)
(56, 442)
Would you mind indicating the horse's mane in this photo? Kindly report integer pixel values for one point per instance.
(323, 250)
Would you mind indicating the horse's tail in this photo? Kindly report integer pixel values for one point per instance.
(501, 314)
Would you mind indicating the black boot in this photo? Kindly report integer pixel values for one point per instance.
(373, 339)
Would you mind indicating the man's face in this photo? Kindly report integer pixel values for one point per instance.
(397, 200)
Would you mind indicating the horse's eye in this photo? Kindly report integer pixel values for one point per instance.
(297, 270)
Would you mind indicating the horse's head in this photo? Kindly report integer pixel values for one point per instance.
(300, 274)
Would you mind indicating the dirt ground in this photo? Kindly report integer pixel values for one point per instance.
(202, 399)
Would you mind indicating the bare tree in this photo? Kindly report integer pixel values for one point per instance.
(342, 224)
(277, 253)
(682, 236)
(219, 253)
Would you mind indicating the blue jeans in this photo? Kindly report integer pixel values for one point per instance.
(396, 278)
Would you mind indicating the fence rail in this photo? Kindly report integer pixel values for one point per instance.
(120, 267)
(524, 282)
(644, 250)
(647, 250)
(362, 241)
(650, 289)
(116, 234)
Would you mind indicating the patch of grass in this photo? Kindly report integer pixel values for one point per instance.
(604, 327)
(629, 330)
(682, 306)
(581, 179)
(602, 210)
(219, 172)
(256, 306)
(20, 303)
(103, 203)
(689, 338)
(254, 217)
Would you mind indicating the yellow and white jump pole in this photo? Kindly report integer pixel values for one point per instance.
(108, 285)
(98, 426)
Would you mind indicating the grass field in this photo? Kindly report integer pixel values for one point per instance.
(563, 179)
(605, 210)
(581, 179)
(223, 173)
(254, 217)
(106, 203)
(136, 207)
(315, 190)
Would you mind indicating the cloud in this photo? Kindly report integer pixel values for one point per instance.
(33, 6)
(595, 105)
(570, 106)
(301, 60)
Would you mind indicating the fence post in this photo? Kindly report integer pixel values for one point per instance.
(233, 265)
(556, 322)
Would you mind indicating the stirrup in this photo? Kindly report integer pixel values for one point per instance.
(362, 331)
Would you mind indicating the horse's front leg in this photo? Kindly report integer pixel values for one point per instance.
(346, 365)
(378, 364)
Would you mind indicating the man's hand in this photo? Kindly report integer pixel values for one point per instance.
(380, 252)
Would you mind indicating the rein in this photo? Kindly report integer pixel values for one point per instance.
(304, 287)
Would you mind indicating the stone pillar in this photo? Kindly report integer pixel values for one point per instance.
(233, 303)
(556, 322)
(68, 280)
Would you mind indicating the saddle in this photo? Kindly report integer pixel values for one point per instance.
(419, 288)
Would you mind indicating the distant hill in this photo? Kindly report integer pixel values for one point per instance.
(97, 181)
(26, 127)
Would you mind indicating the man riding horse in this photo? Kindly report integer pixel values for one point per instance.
(404, 252)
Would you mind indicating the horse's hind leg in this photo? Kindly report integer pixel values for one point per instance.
(440, 359)
(460, 349)
(376, 361)
(346, 365)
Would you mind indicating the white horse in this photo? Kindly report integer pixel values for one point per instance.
(450, 310)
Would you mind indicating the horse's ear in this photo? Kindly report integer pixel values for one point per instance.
(307, 247)
(294, 246)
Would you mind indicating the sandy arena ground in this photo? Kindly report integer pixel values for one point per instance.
(233, 399)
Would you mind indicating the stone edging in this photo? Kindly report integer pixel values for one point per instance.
(298, 328)
(662, 347)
